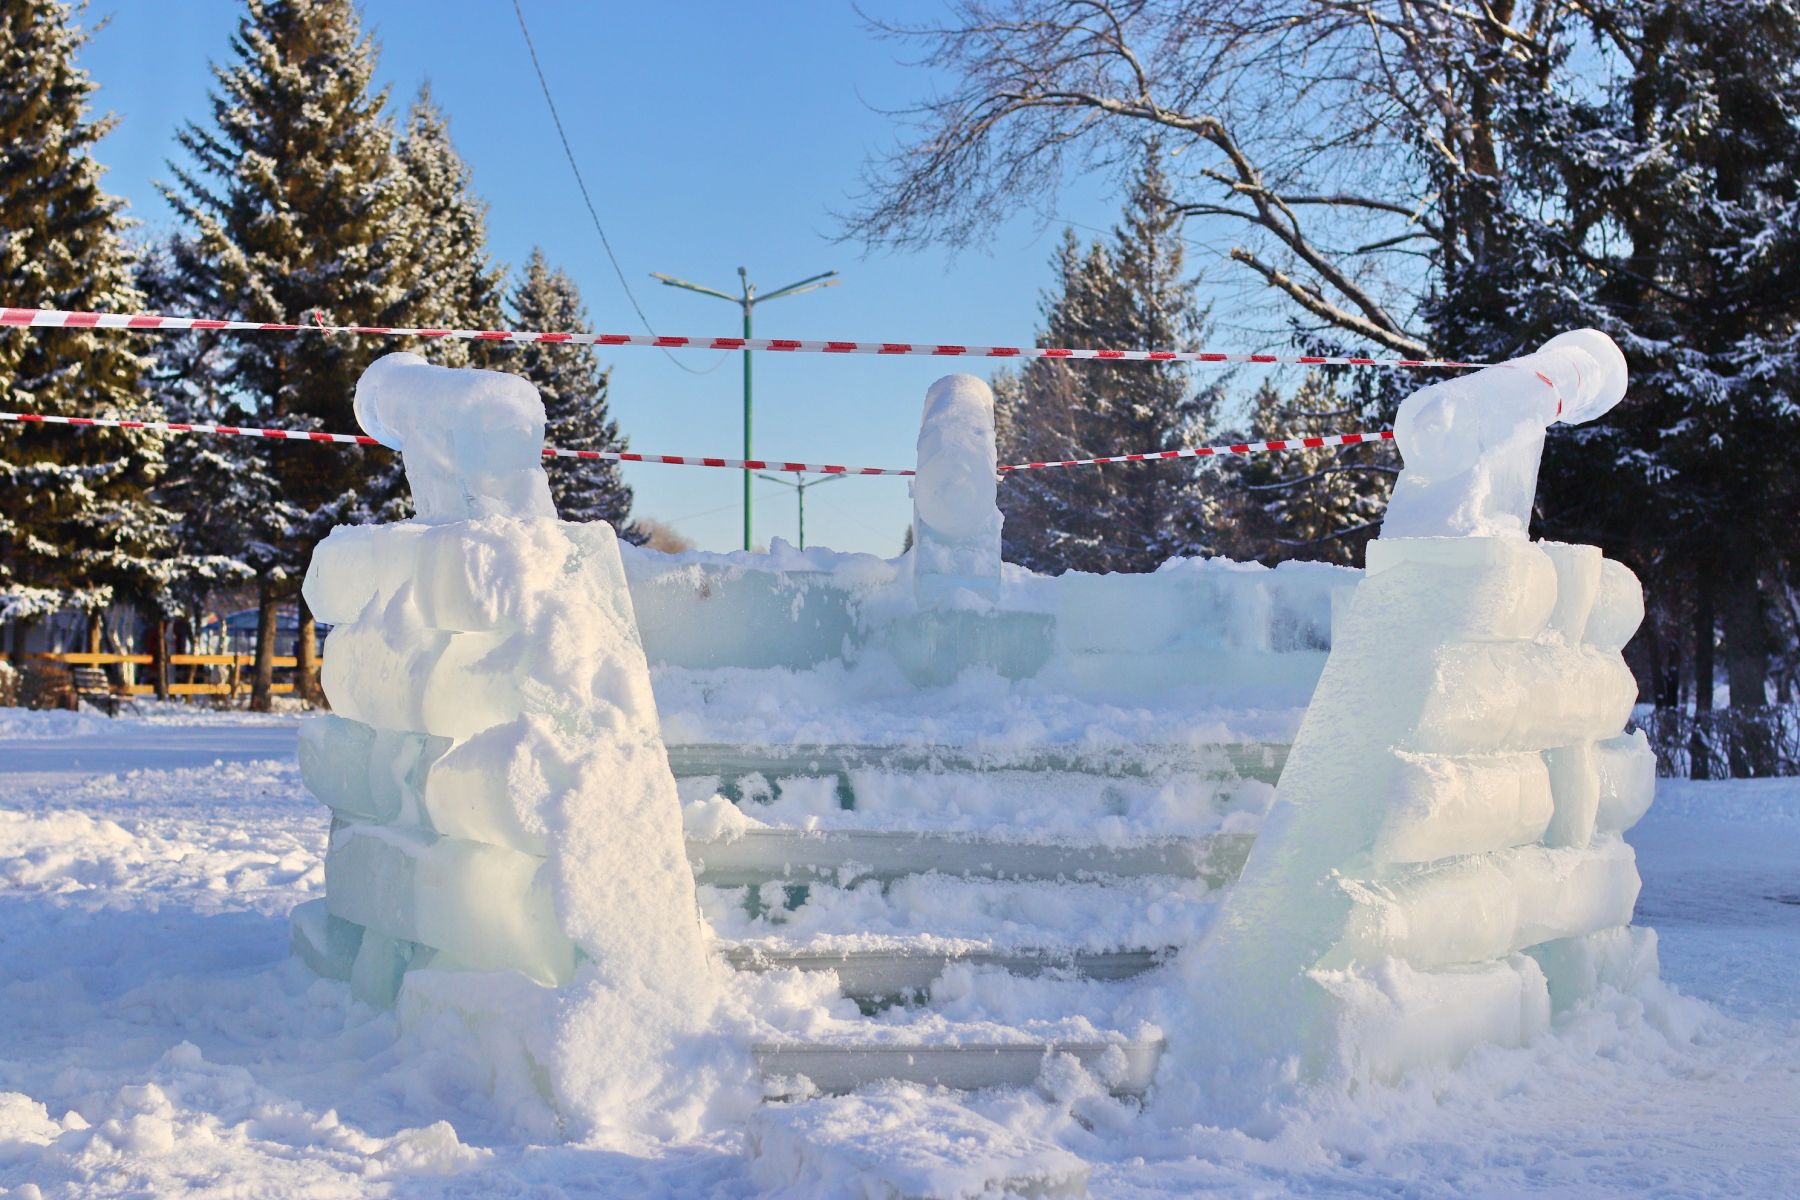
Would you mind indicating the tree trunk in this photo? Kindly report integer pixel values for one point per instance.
(1746, 641)
(1704, 632)
(306, 675)
(161, 655)
(95, 627)
(262, 687)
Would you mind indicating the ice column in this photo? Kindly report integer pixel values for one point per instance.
(956, 513)
(506, 857)
(1442, 865)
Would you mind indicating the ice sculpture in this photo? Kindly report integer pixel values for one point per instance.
(956, 510)
(493, 757)
(1443, 864)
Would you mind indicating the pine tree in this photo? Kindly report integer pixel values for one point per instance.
(1323, 504)
(574, 387)
(77, 526)
(1129, 293)
(457, 285)
(297, 204)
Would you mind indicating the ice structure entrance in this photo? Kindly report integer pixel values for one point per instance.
(656, 836)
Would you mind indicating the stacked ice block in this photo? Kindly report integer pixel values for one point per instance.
(1443, 864)
(493, 754)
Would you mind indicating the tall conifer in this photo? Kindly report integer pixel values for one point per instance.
(574, 387)
(76, 524)
(297, 205)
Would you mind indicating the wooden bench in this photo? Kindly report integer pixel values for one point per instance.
(92, 685)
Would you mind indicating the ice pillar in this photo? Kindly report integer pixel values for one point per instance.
(506, 860)
(956, 513)
(1442, 863)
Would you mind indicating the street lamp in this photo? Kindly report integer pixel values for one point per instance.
(800, 485)
(748, 302)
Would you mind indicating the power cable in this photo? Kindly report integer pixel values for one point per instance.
(587, 199)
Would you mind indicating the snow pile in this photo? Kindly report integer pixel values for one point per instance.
(1443, 864)
(506, 859)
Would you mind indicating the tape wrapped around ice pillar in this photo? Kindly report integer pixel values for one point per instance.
(482, 905)
(1444, 805)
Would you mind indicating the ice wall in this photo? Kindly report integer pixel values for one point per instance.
(506, 859)
(1443, 864)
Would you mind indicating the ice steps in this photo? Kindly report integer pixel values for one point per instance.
(845, 857)
(1127, 1067)
(911, 970)
(731, 761)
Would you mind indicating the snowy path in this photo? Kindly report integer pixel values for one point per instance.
(154, 1038)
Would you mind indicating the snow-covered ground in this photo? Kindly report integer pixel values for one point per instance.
(155, 1039)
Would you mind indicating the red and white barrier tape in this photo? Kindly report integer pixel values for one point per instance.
(688, 460)
(53, 318)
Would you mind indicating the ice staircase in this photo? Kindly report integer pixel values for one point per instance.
(896, 912)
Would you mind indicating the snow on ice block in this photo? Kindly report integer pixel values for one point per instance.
(1577, 587)
(472, 441)
(1443, 806)
(325, 943)
(363, 773)
(1578, 967)
(390, 672)
(1489, 906)
(1395, 1018)
(899, 1144)
(1470, 589)
(1491, 697)
(482, 905)
(491, 789)
(1618, 607)
(1627, 781)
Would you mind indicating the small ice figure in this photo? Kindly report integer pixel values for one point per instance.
(956, 510)
(1472, 444)
(472, 441)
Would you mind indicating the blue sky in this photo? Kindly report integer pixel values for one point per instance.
(713, 135)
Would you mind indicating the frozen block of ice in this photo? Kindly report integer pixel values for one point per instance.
(481, 904)
(1394, 1018)
(934, 646)
(388, 671)
(1577, 587)
(334, 765)
(1627, 778)
(1470, 589)
(1577, 968)
(1488, 906)
(1487, 697)
(1575, 785)
(323, 942)
(472, 441)
(902, 1143)
(491, 789)
(1618, 607)
(357, 564)
(1444, 806)
(381, 963)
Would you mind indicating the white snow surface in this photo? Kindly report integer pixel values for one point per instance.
(156, 1038)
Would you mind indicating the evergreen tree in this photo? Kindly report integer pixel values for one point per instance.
(77, 526)
(297, 204)
(1130, 292)
(573, 386)
(1323, 504)
(456, 285)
